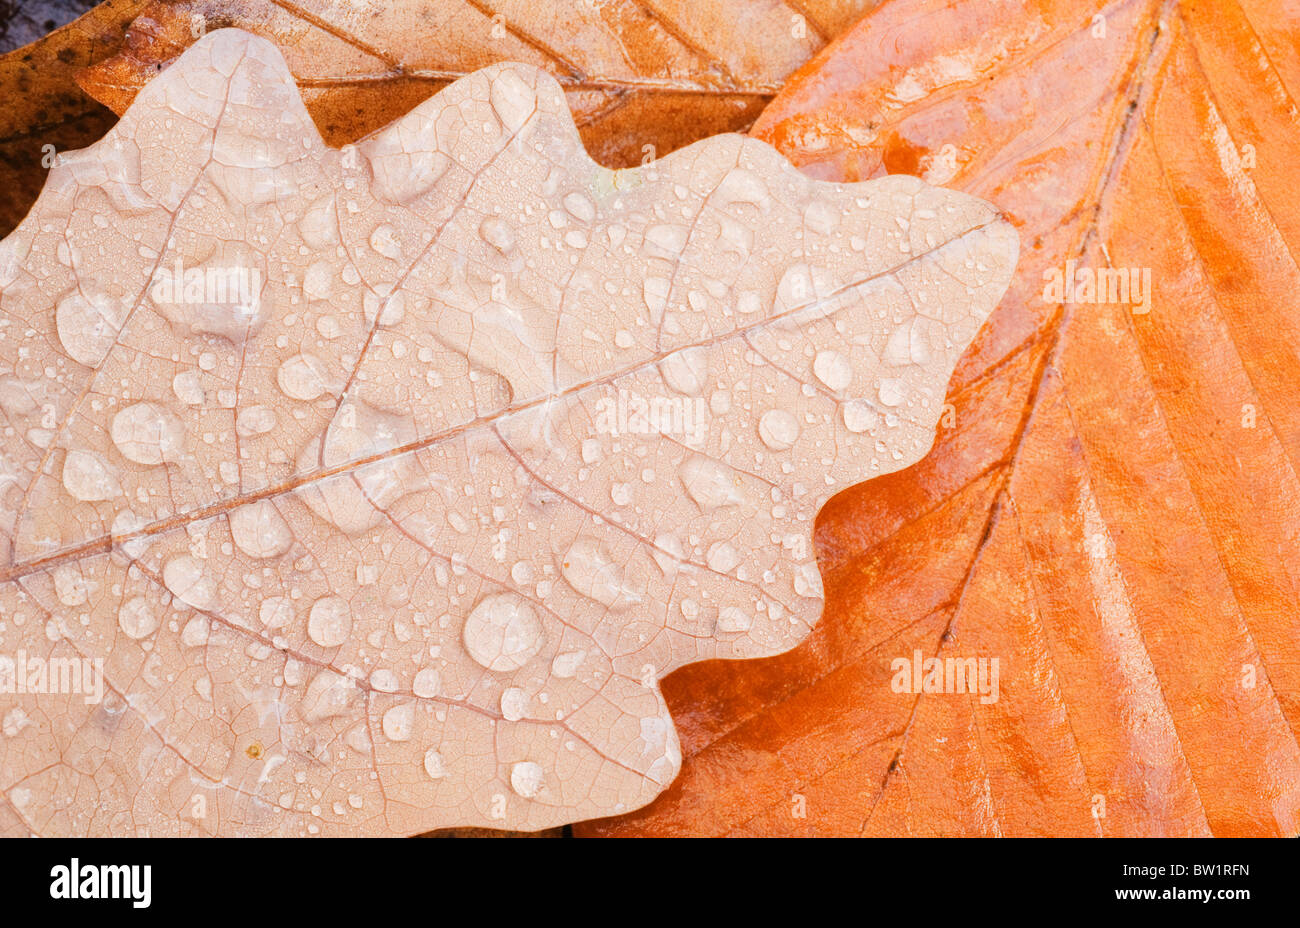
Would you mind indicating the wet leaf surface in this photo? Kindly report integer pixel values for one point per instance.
(388, 482)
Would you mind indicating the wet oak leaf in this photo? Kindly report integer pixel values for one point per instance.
(388, 482)
(1112, 510)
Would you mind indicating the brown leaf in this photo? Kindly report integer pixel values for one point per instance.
(1113, 511)
(387, 482)
(660, 74)
(44, 109)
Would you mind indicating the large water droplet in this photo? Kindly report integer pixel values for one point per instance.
(147, 433)
(302, 377)
(778, 429)
(259, 530)
(330, 621)
(833, 370)
(399, 723)
(512, 99)
(427, 683)
(137, 618)
(686, 371)
(503, 632)
(88, 326)
(526, 778)
(497, 233)
(433, 764)
(731, 619)
(185, 577)
(709, 483)
(588, 568)
(89, 477)
(858, 416)
(329, 695)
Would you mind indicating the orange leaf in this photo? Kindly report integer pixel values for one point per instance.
(1113, 512)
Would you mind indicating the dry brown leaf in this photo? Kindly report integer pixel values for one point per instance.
(44, 110)
(1112, 509)
(637, 74)
(334, 457)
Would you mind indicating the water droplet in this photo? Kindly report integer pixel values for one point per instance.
(580, 206)
(188, 388)
(276, 612)
(778, 429)
(87, 327)
(427, 684)
(137, 618)
(731, 619)
(808, 581)
(330, 621)
(497, 233)
(146, 433)
(566, 665)
(833, 370)
(399, 723)
(858, 416)
(891, 392)
(319, 226)
(329, 695)
(503, 632)
(710, 483)
(302, 377)
(514, 704)
(195, 632)
(318, 280)
(70, 585)
(721, 557)
(89, 477)
(526, 778)
(433, 765)
(686, 371)
(743, 186)
(384, 242)
(259, 530)
(254, 420)
(512, 99)
(185, 577)
(588, 568)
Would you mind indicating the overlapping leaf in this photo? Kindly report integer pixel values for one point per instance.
(1112, 513)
